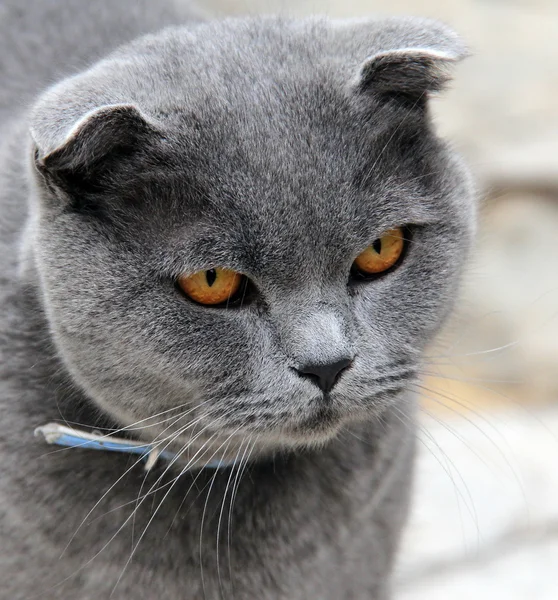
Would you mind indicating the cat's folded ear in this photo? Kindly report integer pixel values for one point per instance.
(409, 56)
(71, 152)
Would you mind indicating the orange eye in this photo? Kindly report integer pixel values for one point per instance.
(211, 287)
(382, 254)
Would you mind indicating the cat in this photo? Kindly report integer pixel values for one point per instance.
(231, 239)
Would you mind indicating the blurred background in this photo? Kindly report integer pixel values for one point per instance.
(485, 514)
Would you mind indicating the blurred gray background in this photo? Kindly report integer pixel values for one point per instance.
(485, 517)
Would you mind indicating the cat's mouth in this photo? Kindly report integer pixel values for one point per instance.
(324, 421)
(316, 426)
(225, 443)
(226, 432)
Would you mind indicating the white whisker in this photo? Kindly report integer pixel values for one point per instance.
(165, 497)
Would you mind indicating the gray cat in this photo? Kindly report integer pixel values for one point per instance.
(231, 241)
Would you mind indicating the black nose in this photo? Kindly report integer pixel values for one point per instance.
(325, 375)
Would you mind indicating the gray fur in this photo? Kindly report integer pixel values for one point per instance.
(274, 147)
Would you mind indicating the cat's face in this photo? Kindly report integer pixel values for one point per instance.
(263, 149)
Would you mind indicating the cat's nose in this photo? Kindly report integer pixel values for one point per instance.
(325, 375)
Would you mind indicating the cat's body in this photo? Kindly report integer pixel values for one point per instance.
(316, 523)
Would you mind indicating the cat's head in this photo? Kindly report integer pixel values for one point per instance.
(297, 154)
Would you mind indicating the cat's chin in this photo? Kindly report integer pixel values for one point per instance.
(231, 447)
(227, 451)
(319, 427)
(221, 438)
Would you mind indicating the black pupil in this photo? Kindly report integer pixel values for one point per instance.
(210, 277)
(377, 245)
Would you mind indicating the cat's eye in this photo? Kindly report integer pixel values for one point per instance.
(381, 255)
(211, 287)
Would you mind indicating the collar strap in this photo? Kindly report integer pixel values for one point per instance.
(62, 435)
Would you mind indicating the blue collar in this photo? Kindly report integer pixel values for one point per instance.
(62, 435)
